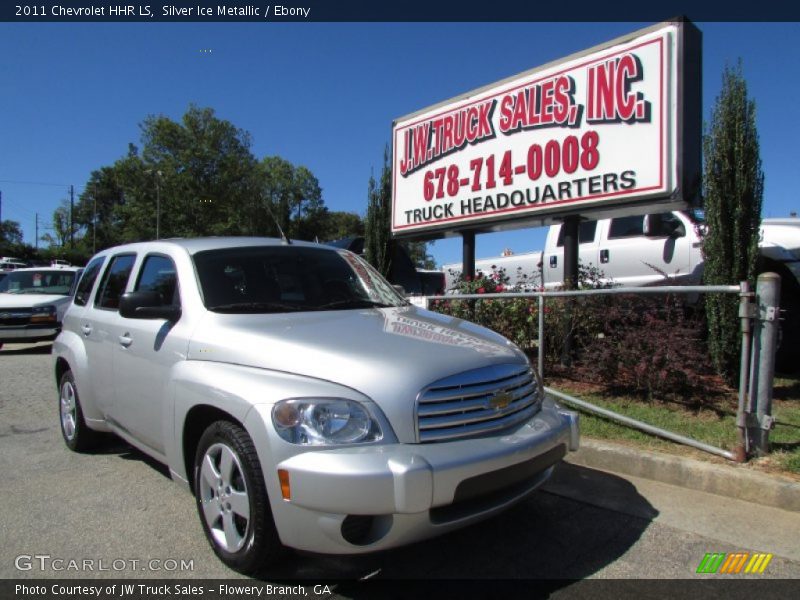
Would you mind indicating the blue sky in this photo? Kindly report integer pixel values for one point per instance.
(321, 95)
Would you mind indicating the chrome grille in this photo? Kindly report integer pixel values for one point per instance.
(477, 402)
(15, 316)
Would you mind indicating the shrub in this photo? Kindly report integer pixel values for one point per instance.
(648, 345)
(513, 318)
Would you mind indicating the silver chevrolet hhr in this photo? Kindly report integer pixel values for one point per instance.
(300, 397)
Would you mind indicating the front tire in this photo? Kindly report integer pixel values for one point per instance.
(77, 436)
(232, 500)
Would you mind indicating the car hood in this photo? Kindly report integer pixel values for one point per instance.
(30, 300)
(387, 354)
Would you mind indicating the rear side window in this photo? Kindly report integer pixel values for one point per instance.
(114, 281)
(586, 231)
(626, 227)
(86, 283)
(158, 275)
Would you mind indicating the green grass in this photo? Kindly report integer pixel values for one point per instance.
(713, 424)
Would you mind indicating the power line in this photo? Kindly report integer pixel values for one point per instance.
(34, 183)
(18, 206)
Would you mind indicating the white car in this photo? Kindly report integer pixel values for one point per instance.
(9, 263)
(33, 302)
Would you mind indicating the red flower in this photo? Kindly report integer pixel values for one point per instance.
(481, 290)
(499, 288)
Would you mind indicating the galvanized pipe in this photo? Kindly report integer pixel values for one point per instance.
(670, 289)
(541, 335)
(743, 446)
(768, 292)
(640, 425)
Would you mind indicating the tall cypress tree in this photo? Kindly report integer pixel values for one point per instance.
(378, 244)
(733, 185)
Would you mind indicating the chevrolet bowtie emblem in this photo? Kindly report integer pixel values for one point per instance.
(500, 401)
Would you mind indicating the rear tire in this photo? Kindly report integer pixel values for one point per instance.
(77, 436)
(232, 500)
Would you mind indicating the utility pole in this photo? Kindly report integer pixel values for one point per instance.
(1, 206)
(571, 228)
(71, 211)
(36, 241)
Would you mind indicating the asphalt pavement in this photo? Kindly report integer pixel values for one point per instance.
(120, 510)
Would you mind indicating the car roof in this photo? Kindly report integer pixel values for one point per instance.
(59, 269)
(195, 245)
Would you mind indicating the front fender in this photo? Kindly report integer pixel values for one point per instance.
(235, 390)
(70, 347)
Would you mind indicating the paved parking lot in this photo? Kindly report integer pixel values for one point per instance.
(119, 511)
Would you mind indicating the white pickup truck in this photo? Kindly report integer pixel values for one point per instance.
(649, 250)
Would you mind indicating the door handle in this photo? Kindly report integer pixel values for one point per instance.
(553, 262)
(604, 256)
(86, 329)
(125, 340)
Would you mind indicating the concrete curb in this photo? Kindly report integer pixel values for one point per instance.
(732, 481)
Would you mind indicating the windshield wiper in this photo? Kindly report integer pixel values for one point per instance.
(256, 307)
(356, 303)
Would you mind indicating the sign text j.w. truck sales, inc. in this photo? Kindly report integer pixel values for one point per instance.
(608, 129)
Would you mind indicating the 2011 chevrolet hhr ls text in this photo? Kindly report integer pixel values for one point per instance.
(300, 396)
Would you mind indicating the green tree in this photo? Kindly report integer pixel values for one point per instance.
(293, 196)
(378, 243)
(335, 225)
(418, 252)
(733, 185)
(10, 234)
(97, 212)
(202, 172)
(60, 229)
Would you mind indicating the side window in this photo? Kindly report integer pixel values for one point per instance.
(666, 225)
(586, 231)
(85, 285)
(114, 281)
(626, 227)
(158, 275)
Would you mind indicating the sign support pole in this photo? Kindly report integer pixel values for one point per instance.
(571, 227)
(468, 255)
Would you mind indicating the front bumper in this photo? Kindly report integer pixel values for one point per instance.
(28, 333)
(395, 494)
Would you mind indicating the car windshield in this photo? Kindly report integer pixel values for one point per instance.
(40, 281)
(270, 279)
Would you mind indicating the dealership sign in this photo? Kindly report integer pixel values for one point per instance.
(613, 130)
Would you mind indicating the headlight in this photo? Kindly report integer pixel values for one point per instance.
(43, 314)
(324, 421)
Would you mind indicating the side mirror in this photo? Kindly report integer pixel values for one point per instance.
(147, 305)
(649, 226)
(677, 230)
(400, 290)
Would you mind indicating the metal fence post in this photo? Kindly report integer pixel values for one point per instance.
(768, 293)
(745, 313)
(541, 336)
